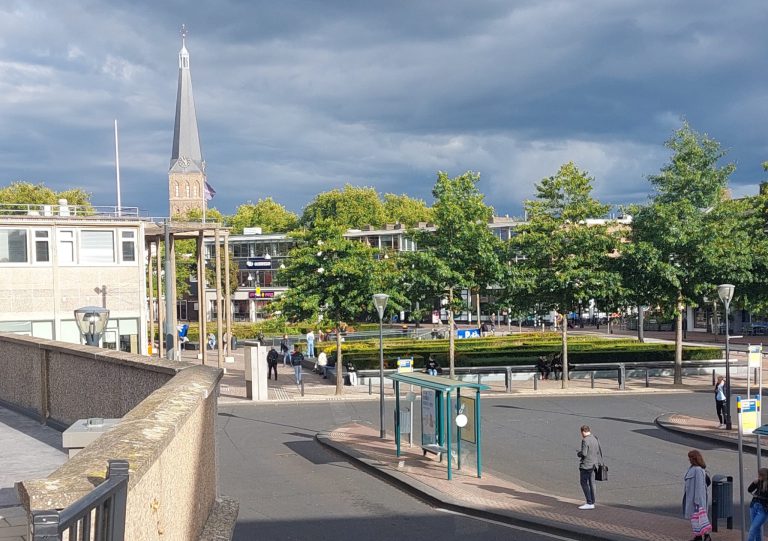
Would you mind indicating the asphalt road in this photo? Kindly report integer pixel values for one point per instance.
(290, 487)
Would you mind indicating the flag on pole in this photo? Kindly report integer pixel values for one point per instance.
(209, 192)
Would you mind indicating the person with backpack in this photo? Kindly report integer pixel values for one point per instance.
(272, 357)
(285, 350)
(758, 509)
(296, 359)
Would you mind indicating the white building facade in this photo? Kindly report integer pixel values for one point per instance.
(58, 258)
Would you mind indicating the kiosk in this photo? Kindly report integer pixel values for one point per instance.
(438, 413)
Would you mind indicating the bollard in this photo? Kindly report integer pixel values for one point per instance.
(592, 378)
(302, 387)
(536, 381)
(479, 375)
(507, 380)
(370, 385)
(622, 376)
(713, 377)
(647, 383)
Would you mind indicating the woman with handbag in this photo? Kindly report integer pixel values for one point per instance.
(695, 497)
(758, 509)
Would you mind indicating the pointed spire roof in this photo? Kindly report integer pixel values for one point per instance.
(186, 139)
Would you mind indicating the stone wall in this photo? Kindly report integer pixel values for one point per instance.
(167, 432)
(60, 382)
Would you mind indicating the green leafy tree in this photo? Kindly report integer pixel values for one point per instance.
(22, 193)
(406, 210)
(351, 207)
(681, 228)
(462, 252)
(334, 277)
(268, 214)
(567, 260)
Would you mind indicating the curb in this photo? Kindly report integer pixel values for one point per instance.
(732, 442)
(440, 500)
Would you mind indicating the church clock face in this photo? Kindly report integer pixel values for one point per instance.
(184, 162)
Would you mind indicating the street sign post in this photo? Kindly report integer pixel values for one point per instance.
(748, 411)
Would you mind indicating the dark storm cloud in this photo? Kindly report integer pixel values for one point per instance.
(297, 97)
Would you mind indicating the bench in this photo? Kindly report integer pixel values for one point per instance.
(435, 450)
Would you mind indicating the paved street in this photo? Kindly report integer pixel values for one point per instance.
(290, 487)
(287, 483)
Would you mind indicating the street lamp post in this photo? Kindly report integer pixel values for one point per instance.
(380, 301)
(725, 292)
(91, 320)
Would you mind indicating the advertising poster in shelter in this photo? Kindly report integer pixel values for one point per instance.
(428, 417)
(467, 407)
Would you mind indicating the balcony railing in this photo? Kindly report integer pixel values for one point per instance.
(97, 516)
(67, 211)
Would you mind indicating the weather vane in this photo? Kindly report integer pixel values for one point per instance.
(183, 32)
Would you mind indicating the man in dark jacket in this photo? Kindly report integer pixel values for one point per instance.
(296, 359)
(272, 357)
(588, 459)
(285, 350)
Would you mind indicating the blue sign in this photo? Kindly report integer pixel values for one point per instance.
(468, 333)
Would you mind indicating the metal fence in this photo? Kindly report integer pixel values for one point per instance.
(98, 516)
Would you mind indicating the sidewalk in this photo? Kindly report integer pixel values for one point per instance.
(707, 429)
(501, 499)
(318, 389)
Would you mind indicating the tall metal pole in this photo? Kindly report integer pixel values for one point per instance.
(170, 279)
(382, 432)
(741, 468)
(117, 172)
(728, 424)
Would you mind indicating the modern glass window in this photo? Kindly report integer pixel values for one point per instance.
(128, 245)
(13, 246)
(42, 247)
(97, 246)
(66, 246)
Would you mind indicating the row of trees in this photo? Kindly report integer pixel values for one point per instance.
(689, 237)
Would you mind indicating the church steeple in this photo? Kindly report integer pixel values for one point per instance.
(186, 176)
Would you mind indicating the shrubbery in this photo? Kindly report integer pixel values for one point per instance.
(513, 350)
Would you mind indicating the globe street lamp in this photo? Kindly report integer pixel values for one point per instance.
(380, 301)
(725, 292)
(91, 320)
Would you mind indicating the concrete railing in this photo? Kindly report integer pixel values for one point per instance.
(167, 433)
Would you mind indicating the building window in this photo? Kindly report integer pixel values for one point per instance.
(42, 247)
(176, 188)
(66, 246)
(128, 245)
(97, 247)
(195, 189)
(13, 246)
(186, 186)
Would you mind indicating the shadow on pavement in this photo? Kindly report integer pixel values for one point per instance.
(680, 439)
(580, 415)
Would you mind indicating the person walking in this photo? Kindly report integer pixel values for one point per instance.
(590, 449)
(758, 509)
(720, 400)
(310, 343)
(695, 496)
(285, 350)
(272, 357)
(296, 359)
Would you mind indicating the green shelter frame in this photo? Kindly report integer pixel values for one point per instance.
(443, 387)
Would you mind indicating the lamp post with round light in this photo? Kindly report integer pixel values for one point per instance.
(380, 301)
(91, 320)
(725, 292)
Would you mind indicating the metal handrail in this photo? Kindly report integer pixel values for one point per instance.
(97, 516)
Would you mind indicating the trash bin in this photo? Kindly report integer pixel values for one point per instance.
(234, 343)
(722, 500)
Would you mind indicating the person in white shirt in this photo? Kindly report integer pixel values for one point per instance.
(720, 400)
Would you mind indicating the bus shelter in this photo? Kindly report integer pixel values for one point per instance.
(439, 412)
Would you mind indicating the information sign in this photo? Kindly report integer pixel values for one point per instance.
(755, 356)
(404, 365)
(749, 414)
(428, 417)
(468, 333)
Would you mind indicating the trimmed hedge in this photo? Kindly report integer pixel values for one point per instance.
(489, 352)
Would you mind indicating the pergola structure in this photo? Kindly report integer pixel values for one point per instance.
(168, 232)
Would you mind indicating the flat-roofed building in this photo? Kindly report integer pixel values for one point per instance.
(57, 258)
